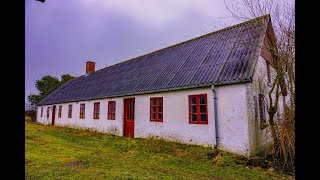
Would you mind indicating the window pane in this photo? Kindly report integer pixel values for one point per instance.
(160, 116)
(203, 117)
(203, 108)
(193, 100)
(160, 101)
(153, 109)
(202, 100)
(153, 116)
(193, 109)
(153, 102)
(111, 107)
(160, 108)
(194, 117)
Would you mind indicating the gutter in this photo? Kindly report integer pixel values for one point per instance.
(215, 114)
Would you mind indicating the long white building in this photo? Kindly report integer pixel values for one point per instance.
(210, 90)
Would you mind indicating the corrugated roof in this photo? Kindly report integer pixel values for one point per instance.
(222, 57)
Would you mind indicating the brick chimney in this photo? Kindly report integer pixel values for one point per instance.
(90, 67)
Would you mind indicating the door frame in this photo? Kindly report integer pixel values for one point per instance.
(123, 114)
(53, 116)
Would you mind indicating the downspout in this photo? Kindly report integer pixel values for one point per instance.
(215, 114)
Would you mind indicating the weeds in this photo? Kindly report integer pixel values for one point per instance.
(63, 153)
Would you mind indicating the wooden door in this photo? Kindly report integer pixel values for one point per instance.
(128, 117)
(53, 114)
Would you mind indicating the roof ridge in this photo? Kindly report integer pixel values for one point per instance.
(202, 36)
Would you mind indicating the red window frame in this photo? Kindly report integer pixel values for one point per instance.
(82, 111)
(70, 111)
(41, 112)
(48, 111)
(96, 110)
(156, 106)
(60, 112)
(262, 108)
(198, 112)
(111, 110)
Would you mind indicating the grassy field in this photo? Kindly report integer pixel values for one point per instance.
(62, 153)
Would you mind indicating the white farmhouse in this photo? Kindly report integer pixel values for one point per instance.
(209, 90)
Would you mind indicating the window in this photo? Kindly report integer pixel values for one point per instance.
(261, 108)
(111, 110)
(96, 109)
(48, 111)
(82, 111)
(70, 111)
(41, 112)
(198, 109)
(156, 109)
(268, 72)
(60, 111)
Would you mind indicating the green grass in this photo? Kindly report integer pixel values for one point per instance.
(27, 118)
(63, 153)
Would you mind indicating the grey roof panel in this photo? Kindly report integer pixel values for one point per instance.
(205, 74)
(182, 78)
(220, 57)
(162, 81)
(144, 83)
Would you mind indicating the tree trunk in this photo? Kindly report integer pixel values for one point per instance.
(273, 129)
(285, 107)
(33, 115)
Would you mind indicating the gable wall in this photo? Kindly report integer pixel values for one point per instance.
(259, 138)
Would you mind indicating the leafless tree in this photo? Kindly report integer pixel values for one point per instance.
(32, 111)
(281, 45)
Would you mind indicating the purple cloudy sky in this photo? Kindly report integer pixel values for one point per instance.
(61, 35)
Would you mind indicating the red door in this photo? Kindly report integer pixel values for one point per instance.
(53, 114)
(128, 117)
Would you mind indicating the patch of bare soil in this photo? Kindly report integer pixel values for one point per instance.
(74, 163)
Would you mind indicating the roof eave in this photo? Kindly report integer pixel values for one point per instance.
(222, 83)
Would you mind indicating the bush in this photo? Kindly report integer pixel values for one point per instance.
(283, 152)
(33, 116)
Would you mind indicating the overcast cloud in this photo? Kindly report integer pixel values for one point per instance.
(61, 35)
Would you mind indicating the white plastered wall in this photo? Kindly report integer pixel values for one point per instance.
(259, 137)
(232, 117)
